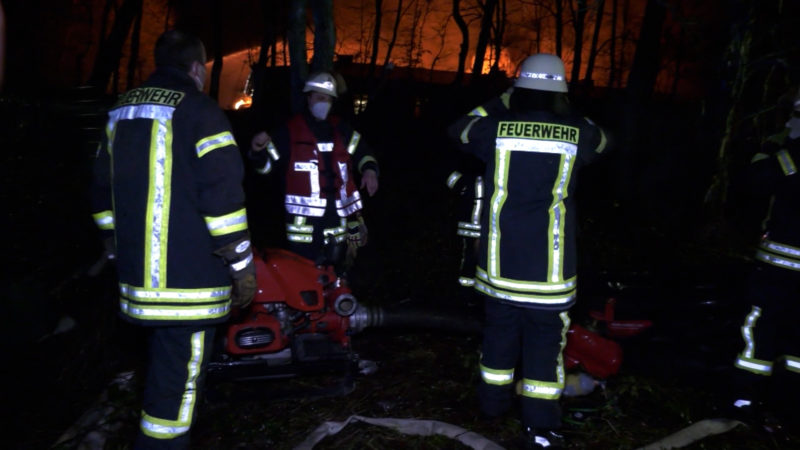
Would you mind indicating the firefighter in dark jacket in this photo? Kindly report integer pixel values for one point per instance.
(318, 155)
(168, 190)
(467, 181)
(527, 259)
(769, 331)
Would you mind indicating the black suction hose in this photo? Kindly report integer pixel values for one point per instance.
(406, 316)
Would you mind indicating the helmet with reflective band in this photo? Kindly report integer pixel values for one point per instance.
(542, 72)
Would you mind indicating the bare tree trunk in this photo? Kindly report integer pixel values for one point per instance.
(483, 37)
(258, 72)
(559, 18)
(394, 34)
(462, 52)
(500, 28)
(641, 82)
(298, 69)
(376, 37)
(612, 58)
(133, 59)
(324, 35)
(579, 22)
(216, 67)
(626, 9)
(593, 48)
(110, 51)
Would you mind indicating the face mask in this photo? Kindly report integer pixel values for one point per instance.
(793, 125)
(320, 110)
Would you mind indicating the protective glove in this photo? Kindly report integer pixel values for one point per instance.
(239, 257)
(356, 237)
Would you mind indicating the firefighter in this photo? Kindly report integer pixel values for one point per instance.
(318, 155)
(527, 258)
(467, 181)
(769, 330)
(168, 190)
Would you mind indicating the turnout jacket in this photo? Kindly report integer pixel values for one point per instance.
(775, 176)
(527, 253)
(168, 184)
(316, 159)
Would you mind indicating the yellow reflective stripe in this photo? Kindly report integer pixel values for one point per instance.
(793, 364)
(354, 140)
(214, 142)
(227, 224)
(466, 281)
(479, 111)
(778, 260)
(453, 179)
(497, 377)
(161, 428)
(302, 238)
(746, 359)
(171, 312)
(756, 366)
(104, 220)
(365, 160)
(465, 131)
(541, 287)
(783, 249)
(787, 164)
(603, 142)
(547, 390)
(299, 228)
(505, 98)
(553, 300)
(502, 164)
(158, 204)
(558, 220)
(173, 295)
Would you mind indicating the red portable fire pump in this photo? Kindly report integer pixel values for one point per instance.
(303, 315)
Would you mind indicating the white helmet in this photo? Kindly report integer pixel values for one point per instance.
(322, 82)
(543, 72)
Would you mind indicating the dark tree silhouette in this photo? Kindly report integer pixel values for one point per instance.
(133, 60)
(483, 36)
(579, 22)
(376, 37)
(110, 49)
(464, 48)
(598, 21)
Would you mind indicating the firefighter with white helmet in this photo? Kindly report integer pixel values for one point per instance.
(319, 155)
(526, 268)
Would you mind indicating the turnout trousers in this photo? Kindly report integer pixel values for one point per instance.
(770, 330)
(537, 337)
(178, 358)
